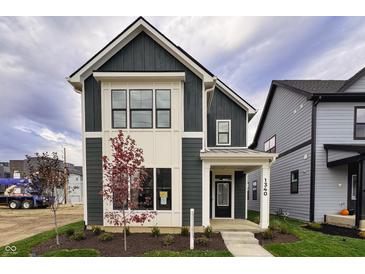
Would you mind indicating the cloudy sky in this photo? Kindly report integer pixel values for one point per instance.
(40, 112)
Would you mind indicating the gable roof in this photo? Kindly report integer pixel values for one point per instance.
(326, 90)
(142, 25)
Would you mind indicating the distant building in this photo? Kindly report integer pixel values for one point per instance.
(4, 170)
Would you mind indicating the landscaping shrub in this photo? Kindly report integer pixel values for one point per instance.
(127, 231)
(362, 234)
(168, 240)
(78, 236)
(69, 232)
(208, 231)
(275, 224)
(155, 232)
(284, 228)
(267, 234)
(203, 241)
(185, 231)
(105, 237)
(97, 230)
(256, 219)
(314, 225)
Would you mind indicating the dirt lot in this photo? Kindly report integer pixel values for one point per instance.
(21, 223)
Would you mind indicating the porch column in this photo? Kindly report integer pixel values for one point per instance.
(206, 193)
(265, 197)
(360, 199)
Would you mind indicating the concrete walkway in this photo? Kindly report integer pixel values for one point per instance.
(243, 244)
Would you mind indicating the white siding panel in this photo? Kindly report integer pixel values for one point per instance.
(358, 86)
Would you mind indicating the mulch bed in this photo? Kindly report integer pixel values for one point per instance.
(336, 230)
(137, 244)
(277, 238)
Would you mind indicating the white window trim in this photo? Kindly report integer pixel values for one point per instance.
(229, 132)
(353, 197)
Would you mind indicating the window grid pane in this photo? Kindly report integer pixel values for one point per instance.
(119, 99)
(223, 138)
(163, 118)
(119, 118)
(141, 99)
(141, 118)
(163, 98)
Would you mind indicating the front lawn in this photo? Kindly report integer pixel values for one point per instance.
(73, 253)
(188, 253)
(312, 243)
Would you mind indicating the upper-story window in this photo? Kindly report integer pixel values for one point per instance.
(223, 134)
(359, 127)
(163, 108)
(119, 108)
(270, 145)
(141, 108)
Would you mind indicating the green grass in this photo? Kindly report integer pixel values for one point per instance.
(87, 252)
(188, 253)
(313, 244)
(24, 247)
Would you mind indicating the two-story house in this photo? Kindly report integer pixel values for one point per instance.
(191, 126)
(317, 127)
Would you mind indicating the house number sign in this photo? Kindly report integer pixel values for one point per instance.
(265, 188)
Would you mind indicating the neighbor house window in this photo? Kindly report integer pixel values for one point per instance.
(270, 145)
(254, 190)
(353, 187)
(141, 105)
(223, 128)
(119, 108)
(359, 127)
(163, 108)
(294, 182)
(163, 188)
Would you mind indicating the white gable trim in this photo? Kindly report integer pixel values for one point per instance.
(139, 26)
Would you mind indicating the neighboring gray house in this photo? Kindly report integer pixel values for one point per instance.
(318, 129)
(191, 126)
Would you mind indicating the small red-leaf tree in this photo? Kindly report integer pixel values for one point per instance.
(124, 179)
(48, 177)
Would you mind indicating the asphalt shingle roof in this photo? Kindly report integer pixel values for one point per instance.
(314, 86)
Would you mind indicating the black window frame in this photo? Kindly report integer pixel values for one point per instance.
(273, 149)
(224, 132)
(162, 109)
(131, 110)
(160, 187)
(119, 109)
(356, 123)
(292, 189)
(254, 191)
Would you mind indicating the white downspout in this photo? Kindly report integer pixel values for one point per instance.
(205, 112)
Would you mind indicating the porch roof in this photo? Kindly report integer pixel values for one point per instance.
(236, 153)
(342, 154)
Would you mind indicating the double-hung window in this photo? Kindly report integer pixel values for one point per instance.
(254, 190)
(353, 187)
(294, 182)
(270, 145)
(223, 134)
(119, 108)
(141, 106)
(359, 127)
(163, 108)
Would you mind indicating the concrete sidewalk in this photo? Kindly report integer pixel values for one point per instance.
(244, 244)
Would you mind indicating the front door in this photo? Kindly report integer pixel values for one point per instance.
(223, 184)
(352, 186)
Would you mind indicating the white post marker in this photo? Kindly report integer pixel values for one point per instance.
(191, 228)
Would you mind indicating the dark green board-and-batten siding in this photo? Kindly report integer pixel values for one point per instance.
(224, 108)
(239, 194)
(191, 180)
(144, 54)
(94, 174)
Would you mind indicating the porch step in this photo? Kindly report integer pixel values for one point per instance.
(239, 237)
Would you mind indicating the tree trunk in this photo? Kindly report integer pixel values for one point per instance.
(124, 230)
(56, 227)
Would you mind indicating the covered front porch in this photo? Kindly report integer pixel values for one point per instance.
(225, 187)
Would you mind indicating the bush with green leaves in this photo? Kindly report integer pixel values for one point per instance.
(168, 240)
(208, 232)
(256, 219)
(202, 241)
(97, 230)
(78, 236)
(284, 228)
(105, 237)
(314, 226)
(275, 224)
(362, 234)
(69, 232)
(127, 231)
(185, 231)
(155, 232)
(267, 234)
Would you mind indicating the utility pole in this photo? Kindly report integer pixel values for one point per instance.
(65, 189)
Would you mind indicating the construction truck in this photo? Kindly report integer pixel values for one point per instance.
(21, 193)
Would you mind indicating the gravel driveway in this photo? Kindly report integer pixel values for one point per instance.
(22, 223)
